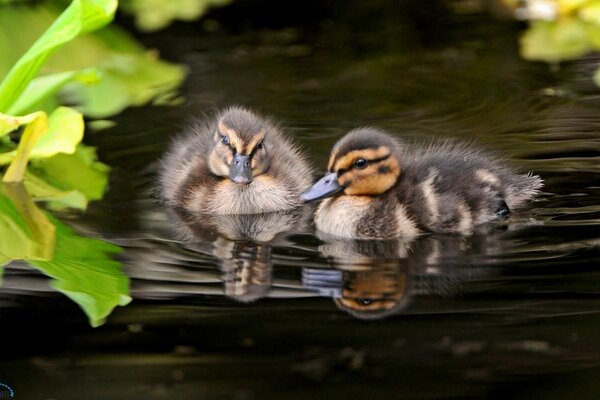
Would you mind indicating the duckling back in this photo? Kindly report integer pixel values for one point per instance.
(234, 163)
(378, 187)
(451, 186)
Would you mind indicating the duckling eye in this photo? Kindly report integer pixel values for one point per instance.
(360, 163)
(225, 139)
(259, 146)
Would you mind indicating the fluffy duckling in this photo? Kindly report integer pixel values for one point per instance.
(235, 163)
(379, 188)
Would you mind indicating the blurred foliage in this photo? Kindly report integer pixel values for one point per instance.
(559, 29)
(65, 173)
(153, 15)
(104, 72)
(84, 269)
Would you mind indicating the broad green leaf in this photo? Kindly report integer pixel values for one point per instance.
(65, 131)
(128, 80)
(79, 171)
(129, 75)
(555, 41)
(26, 232)
(57, 199)
(81, 16)
(40, 89)
(33, 132)
(84, 269)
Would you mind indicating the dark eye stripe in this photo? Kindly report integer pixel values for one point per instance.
(256, 148)
(342, 171)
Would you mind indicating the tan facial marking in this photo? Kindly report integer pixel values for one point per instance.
(370, 181)
(217, 165)
(234, 139)
(346, 160)
(486, 176)
(255, 141)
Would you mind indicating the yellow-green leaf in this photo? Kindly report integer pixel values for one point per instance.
(63, 134)
(33, 132)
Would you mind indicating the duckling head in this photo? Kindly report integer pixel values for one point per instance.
(239, 150)
(364, 162)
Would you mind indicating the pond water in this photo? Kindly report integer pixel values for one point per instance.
(260, 307)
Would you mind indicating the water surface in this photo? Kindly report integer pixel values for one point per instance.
(261, 307)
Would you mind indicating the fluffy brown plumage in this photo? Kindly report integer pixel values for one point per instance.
(234, 163)
(380, 188)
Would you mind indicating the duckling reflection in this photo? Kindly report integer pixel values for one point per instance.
(367, 281)
(242, 243)
(377, 279)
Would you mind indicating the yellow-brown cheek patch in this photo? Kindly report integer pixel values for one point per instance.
(370, 185)
(345, 161)
(217, 165)
(375, 179)
(232, 135)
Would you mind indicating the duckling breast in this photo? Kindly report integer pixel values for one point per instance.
(263, 195)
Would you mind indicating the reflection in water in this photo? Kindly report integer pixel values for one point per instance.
(82, 268)
(375, 279)
(369, 279)
(242, 243)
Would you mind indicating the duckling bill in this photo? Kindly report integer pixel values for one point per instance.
(234, 163)
(378, 188)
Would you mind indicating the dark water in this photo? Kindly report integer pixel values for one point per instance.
(259, 307)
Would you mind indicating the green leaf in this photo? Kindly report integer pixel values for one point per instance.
(57, 199)
(79, 171)
(64, 132)
(555, 41)
(84, 269)
(81, 16)
(129, 75)
(26, 232)
(33, 132)
(44, 87)
(127, 80)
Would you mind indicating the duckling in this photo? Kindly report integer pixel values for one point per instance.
(235, 163)
(380, 188)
